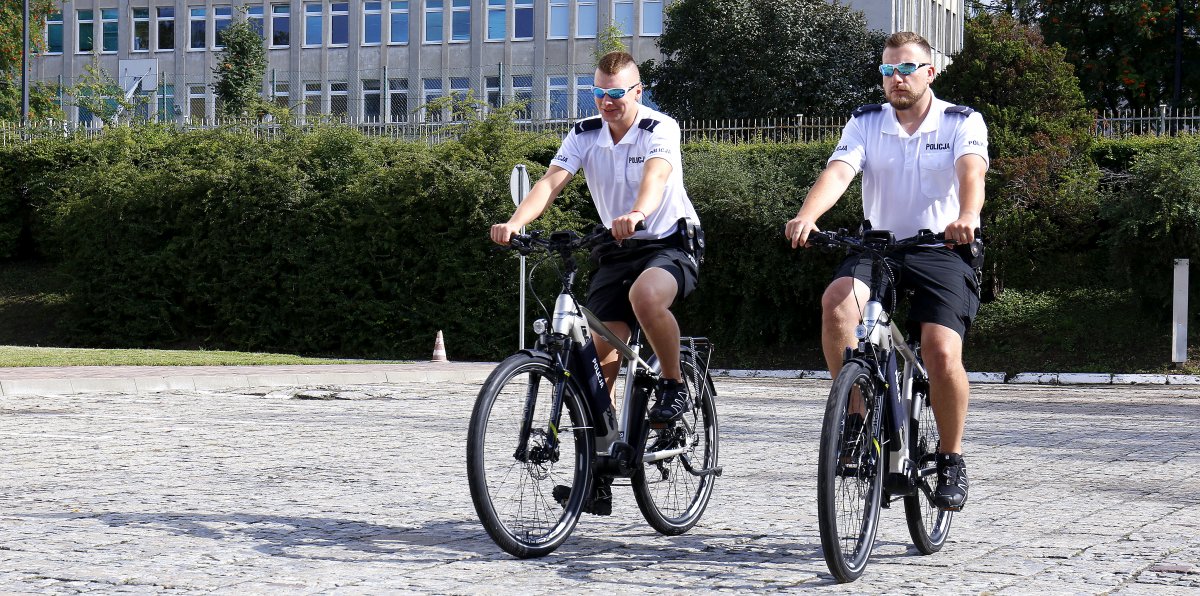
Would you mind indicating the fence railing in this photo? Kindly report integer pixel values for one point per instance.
(1158, 121)
(800, 128)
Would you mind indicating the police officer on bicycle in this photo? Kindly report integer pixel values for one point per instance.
(630, 155)
(923, 162)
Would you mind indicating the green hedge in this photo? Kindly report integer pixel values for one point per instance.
(330, 242)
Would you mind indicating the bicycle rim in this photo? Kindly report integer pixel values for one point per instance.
(513, 495)
(849, 477)
(927, 525)
(671, 498)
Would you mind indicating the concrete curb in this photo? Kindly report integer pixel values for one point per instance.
(1026, 378)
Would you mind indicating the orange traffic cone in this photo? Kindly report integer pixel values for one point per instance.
(439, 349)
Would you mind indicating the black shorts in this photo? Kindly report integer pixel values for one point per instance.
(618, 267)
(944, 288)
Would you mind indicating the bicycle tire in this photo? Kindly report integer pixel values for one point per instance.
(849, 481)
(670, 498)
(927, 525)
(530, 523)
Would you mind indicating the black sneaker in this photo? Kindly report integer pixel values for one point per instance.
(599, 504)
(951, 492)
(672, 401)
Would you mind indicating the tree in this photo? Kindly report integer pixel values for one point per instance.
(609, 40)
(99, 93)
(1041, 200)
(11, 46)
(752, 59)
(1127, 52)
(239, 71)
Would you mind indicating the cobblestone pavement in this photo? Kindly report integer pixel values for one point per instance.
(362, 489)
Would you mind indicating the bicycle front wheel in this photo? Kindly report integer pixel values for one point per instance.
(517, 455)
(673, 490)
(927, 525)
(849, 474)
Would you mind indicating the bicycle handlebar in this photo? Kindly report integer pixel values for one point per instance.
(878, 240)
(563, 240)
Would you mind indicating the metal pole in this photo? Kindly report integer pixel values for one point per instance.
(25, 62)
(1179, 319)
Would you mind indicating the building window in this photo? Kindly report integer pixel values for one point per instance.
(585, 103)
(460, 20)
(587, 20)
(522, 19)
(398, 100)
(312, 98)
(433, 92)
(281, 25)
(433, 21)
(398, 17)
(370, 107)
(560, 20)
(110, 30)
(494, 99)
(222, 19)
(54, 33)
(523, 93)
(86, 27)
(166, 103)
(141, 30)
(312, 24)
(339, 24)
(282, 94)
(254, 16)
(339, 99)
(497, 26)
(559, 98)
(652, 17)
(197, 104)
(197, 26)
(166, 28)
(460, 88)
(623, 16)
(372, 28)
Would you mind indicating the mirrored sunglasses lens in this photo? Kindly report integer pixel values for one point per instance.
(887, 69)
(907, 68)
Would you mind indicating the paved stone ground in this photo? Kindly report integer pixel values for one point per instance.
(1090, 490)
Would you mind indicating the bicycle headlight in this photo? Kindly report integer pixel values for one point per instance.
(539, 326)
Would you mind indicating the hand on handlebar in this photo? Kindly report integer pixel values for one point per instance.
(797, 231)
(502, 233)
(961, 231)
(624, 227)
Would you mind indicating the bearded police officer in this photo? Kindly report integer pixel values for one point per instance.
(630, 155)
(923, 162)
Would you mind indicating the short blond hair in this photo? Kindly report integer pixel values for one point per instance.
(614, 62)
(902, 38)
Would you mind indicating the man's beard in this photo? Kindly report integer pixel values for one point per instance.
(902, 100)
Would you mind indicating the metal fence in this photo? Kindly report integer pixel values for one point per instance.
(798, 128)
(1158, 121)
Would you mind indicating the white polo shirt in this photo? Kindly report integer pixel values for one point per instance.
(908, 180)
(614, 171)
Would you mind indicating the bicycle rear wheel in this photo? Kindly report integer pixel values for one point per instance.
(927, 525)
(512, 488)
(849, 476)
(672, 498)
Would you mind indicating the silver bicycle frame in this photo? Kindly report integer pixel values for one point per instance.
(574, 320)
(878, 330)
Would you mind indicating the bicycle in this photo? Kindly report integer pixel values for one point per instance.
(882, 447)
(519, 447)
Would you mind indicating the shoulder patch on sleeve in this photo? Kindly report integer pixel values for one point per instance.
(648, 124)
(593, 123)
(963, 110)
(871, 107)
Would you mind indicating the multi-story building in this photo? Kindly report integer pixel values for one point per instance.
(384, 60)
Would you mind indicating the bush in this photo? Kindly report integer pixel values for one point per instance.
(1154, 214)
